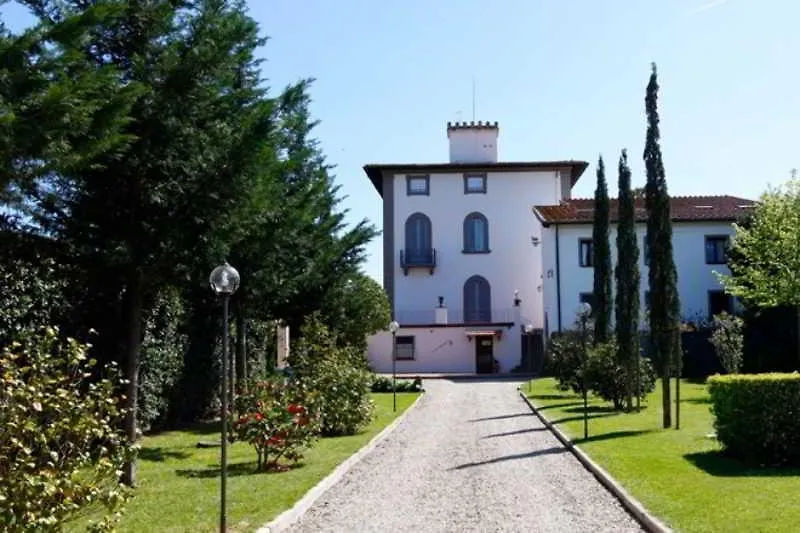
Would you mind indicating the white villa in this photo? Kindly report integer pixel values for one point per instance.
(484, 259)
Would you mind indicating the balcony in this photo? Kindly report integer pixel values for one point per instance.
(455, 317)
(417, 258)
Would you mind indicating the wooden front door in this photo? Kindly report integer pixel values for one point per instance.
(484, 355)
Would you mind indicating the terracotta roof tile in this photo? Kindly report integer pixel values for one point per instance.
(683, 209)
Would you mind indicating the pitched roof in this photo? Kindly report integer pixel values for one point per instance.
(375, 171)
(682, 208)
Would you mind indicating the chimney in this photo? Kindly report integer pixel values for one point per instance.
(440, 313)
(473, 142)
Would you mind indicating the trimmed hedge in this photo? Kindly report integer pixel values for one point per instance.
(758, 416)
(384, 384)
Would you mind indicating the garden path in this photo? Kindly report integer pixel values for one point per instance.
(470, 457)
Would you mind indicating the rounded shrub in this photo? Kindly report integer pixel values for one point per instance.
(756, 416)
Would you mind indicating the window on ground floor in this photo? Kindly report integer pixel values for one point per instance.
(405, 347)
(718, 302)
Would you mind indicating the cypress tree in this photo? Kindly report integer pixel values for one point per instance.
(662, 276)
(627, 278)
(601, 258)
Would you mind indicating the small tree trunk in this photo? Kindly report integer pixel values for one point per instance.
(678, 373)
(666, 393)
(133, 344)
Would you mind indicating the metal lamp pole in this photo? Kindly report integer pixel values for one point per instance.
(224, 281)
(584, 313)
(393, 327)
(528, 330)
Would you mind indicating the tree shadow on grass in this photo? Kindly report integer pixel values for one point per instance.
(718, 464)
(613, 435)
(593, 409)
(527, 455)
(159, 454)
(697, 401)
(558, 405)
(565, 396)
(234, 470)
(580, 417)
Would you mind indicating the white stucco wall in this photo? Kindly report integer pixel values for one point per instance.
(473, 145)
(695, 277)
(442, 350)
(513, 263)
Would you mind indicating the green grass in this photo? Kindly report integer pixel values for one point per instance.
(679, 475)
(179, 482)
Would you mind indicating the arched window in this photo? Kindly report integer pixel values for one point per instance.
(476, 233)
(477, 300)
(418, 239)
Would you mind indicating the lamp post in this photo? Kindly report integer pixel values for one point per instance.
(584, 311)
(528, 330)
(224, 281)
(393, 327)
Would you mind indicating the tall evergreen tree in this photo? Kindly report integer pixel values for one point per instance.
(601, 257)
(662, 276)
(58, 110)
(627, 278)
(143, 218)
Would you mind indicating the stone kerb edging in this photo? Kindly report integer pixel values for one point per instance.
(631, 504)
(293, 514)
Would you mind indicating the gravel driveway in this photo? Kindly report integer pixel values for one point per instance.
(470, 457)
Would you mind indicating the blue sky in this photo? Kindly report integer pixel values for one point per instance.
(565, 80)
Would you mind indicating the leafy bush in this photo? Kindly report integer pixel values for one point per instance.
(728, 341)
(278, 418)
(606, 377)
(565, 357)
(163, 349)
(384, 384)
(756, 416)
(60, 449)
(338, 373)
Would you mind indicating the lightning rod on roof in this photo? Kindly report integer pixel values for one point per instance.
(473, 98)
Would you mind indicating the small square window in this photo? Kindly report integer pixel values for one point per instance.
(474, 183)
(418, 185)
(404, 350)
(718, 301)
(716, 249)
(585, 253)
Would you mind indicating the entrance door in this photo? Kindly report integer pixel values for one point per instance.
(484, 355)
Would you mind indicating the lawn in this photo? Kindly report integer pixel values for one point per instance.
(679, 475)
(179, 482)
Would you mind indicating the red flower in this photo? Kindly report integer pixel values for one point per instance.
(295, 409)
(259, 417)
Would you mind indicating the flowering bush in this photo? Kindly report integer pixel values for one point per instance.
(61, 451)
(339, 374)
(279, 419)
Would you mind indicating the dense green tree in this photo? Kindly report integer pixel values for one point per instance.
(141, 218)
(764, 257)
(601, 258)
(194, 164)
(356, 308)
(627, 281)
(664, 309)
(59, 111)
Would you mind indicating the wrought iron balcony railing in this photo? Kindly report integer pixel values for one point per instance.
(417, 258)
